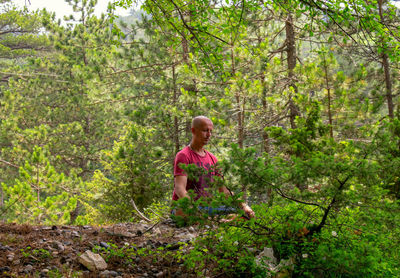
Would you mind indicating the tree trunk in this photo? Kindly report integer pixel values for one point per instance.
(74, 214)
(2, 197)
(291, 62)
(240, 117)
(175, 101)
(329, 98)
(385, 64)
(191, 87)
(265, 146)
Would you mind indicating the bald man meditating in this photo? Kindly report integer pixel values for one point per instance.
(195, 153)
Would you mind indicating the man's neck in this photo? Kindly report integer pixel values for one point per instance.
(197, 148)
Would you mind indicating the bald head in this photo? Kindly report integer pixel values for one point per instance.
(198, 121)
(202, 128)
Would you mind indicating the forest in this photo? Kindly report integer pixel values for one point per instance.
(303, 95)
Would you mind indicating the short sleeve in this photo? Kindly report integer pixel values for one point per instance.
(180, 158)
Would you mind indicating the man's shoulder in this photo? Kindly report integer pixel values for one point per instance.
(185, 151)
(211, 154)
(183, 154)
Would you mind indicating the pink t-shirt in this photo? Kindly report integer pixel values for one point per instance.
(188, 156)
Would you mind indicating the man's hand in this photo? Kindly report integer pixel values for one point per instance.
(250, 213)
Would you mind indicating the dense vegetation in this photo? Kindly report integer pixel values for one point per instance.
(303, 96)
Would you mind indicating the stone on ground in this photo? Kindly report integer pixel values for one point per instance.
(92, 261)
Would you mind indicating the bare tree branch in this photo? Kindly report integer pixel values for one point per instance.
(141, 215)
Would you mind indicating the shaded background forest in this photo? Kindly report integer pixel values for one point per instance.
(303, 96)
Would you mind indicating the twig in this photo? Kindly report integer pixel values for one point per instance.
(163, 218)
(138, 212)
(9, 163)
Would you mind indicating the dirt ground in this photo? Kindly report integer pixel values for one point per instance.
(130, 250)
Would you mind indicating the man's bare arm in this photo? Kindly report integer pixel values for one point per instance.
(246, 208)
(225, 190)
(180, 186)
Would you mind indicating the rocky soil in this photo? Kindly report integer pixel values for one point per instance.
(124, 250)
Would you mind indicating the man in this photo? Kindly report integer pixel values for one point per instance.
(194, 153)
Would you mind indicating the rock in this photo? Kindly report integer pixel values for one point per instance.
(104, 245)
(114, 273)
(109, 273)
(127, 234)
(44, 271)
(268, 253)
(191, 229)
(75, 234)
(267, 260)
(186, 237)
(92, 261)
(5, 247)
(157, 232)
(160, 274)
(10, 257)
(4, 269)
(28, 268)
(58, 245)
(105, 274)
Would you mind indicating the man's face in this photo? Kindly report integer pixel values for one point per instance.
(202, 133)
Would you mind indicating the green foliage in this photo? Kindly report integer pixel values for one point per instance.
(350, 246)
(36, 254)
(331, 213)
(124, 255)
(158, 210)
(387, 150)
(40, 194)
(134, 170)
(20, 35)
(94, 121)
(224, 250)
